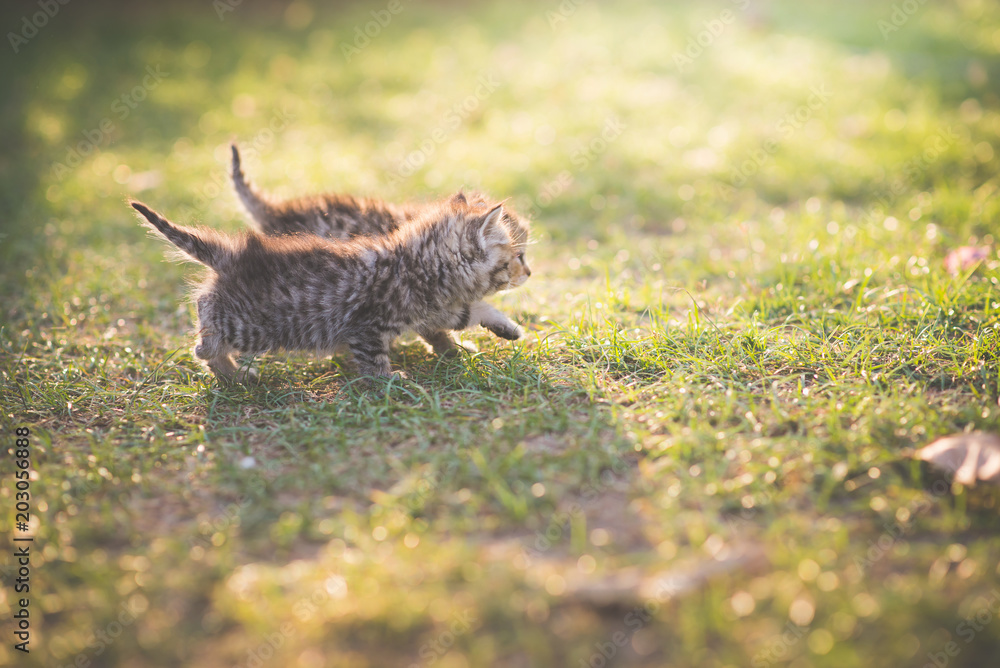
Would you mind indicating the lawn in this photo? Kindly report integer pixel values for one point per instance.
(739, 327)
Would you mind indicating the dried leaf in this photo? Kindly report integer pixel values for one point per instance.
(971, 457)
(964, 258)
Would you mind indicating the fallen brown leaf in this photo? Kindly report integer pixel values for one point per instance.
(971, 457)
(964, 258)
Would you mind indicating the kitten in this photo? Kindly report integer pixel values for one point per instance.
(307, 293)
(345, 217)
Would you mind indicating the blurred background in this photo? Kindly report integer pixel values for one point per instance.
(654, 111)
(705, 146)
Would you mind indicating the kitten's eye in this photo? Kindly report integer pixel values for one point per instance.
(520, 257)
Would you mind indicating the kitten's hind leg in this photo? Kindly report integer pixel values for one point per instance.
(489, 317)
(444, 344)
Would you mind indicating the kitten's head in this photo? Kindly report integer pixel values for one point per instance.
(517, 270)
(499, 256)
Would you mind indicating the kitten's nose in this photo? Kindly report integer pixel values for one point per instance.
(527, 271)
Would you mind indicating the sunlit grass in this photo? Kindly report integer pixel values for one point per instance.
(739, 326)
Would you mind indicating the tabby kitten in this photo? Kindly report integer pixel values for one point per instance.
(303, 292)
(335, 216)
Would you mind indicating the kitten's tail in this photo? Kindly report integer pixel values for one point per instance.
(258, 207)
(206, 246)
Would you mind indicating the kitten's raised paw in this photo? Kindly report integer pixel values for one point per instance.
(506, 331)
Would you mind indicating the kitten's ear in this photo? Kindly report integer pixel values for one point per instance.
(459, 198)
(491, 229)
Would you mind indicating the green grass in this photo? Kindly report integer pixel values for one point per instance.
(724, 375)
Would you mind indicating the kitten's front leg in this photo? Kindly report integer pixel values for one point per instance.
(489, 317)
(219, 358)
(371, 354)
(228, 371)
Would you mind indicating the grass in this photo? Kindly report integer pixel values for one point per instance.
(740, 327)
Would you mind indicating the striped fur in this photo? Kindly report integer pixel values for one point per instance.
(333, 216)
(330, 216)
(302, 292)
